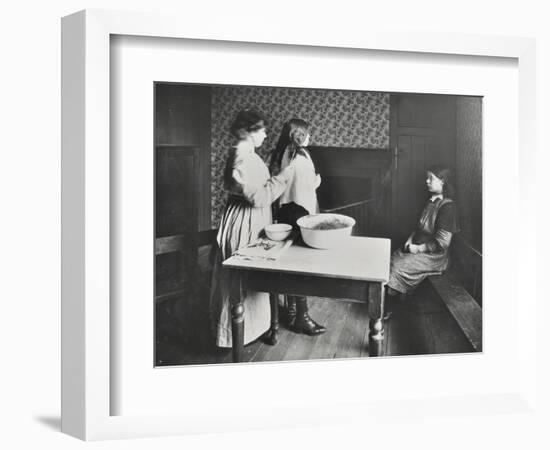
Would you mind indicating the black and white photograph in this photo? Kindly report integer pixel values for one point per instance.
(253, 225)
(297, 224)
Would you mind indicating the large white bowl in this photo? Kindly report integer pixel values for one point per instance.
(325, 230)
(278, 231)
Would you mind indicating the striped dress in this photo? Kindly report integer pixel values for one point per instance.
(246, 214)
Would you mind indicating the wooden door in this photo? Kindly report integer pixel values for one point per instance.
(176, 224)
(422, 133)
(183, 117)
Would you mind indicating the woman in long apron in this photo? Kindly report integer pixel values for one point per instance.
(248, 211)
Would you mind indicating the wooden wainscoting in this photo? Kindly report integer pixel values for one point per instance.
(176, 218)
(356, 182)
(362, 212)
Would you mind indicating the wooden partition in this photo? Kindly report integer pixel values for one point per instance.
(176, 218)
(356, 182)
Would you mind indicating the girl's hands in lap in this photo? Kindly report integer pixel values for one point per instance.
(414, 249)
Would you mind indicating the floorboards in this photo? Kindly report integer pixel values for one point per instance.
(420, 326)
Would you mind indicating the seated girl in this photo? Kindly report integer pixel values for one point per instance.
(426, 251)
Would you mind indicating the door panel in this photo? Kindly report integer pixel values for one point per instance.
(176, 224)
(183, 117)
(422, 133)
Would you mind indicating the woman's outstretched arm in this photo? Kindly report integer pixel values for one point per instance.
(262, 195)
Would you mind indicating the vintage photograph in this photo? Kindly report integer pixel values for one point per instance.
(311, 224)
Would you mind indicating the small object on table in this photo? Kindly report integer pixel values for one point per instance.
(264, 249)
(325, 230)
(278, 231)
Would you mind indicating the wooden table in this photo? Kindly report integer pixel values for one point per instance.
(355, 271)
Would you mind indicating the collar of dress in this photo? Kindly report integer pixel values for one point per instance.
(245, 146)
(433, 198)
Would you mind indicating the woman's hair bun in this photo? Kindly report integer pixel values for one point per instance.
(247, 120)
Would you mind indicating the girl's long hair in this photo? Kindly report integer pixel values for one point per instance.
(292, 136)
(444, 174)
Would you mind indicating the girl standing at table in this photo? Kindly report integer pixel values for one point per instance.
(426, 251)
(299, 198)
(247, 212)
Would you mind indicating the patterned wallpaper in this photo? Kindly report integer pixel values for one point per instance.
(469, 168)
(337, 118)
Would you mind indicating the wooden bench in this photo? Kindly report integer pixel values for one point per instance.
(457, 287)
(191, 261)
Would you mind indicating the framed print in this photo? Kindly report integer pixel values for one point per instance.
(127, 162)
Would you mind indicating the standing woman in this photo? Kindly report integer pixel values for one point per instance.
(248, 211)
(426, 251)
(299, 198)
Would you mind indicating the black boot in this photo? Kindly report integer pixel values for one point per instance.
(290, 311)
(271, 336)
(304, 323)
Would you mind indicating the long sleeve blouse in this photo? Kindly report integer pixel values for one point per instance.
(249, 177)
(302, 186)
(436, 226)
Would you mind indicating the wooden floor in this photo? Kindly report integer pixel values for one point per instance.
(421, 326)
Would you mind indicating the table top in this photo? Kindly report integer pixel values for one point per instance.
(358, 258)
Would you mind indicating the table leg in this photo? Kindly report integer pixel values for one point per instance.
(376, 324)
(237, 317)
(272, 335)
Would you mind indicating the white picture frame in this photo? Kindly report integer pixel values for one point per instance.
(86, 285)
